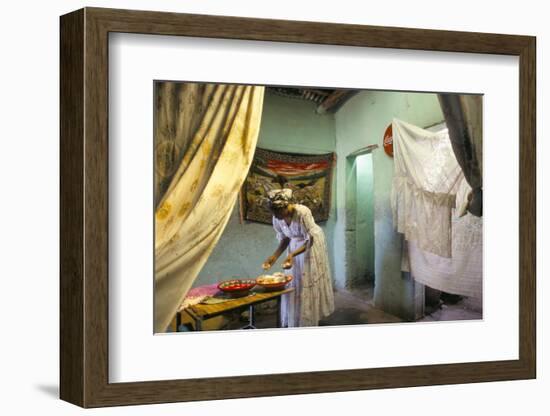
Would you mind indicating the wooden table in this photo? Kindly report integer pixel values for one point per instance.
(201, 312)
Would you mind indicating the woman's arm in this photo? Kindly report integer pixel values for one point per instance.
(282, 247)
(302, 248)
(273, 258)
(308, 224)
(287, 264)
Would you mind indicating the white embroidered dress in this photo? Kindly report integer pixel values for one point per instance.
(313, 297)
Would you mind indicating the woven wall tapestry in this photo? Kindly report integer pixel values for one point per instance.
(309, 177)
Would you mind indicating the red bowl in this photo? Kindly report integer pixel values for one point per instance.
(275, 286)
(237, 287)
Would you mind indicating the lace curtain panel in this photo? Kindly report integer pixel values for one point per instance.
(425, 183)
(206, 137)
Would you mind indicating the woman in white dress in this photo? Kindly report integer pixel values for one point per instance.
(307, 260)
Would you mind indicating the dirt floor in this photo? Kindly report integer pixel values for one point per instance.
(351, 308)
(454, 309)
(355, 307)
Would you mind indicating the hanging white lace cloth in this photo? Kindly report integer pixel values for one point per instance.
(462, 273)
(425, 182)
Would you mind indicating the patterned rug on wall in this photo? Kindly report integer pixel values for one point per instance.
(309, 177)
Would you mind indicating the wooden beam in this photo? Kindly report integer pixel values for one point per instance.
(335, 100)
(363, 151)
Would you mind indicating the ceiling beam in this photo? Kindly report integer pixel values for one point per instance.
(334, 101)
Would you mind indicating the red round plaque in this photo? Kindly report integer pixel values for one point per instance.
(388, 141)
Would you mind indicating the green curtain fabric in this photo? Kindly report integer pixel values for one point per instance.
(464, 119)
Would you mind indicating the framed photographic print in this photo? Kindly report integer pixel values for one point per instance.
(255, 207)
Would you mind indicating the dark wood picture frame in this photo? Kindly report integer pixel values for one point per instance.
(84, 207)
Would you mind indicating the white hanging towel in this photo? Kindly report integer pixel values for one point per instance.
(461, 274)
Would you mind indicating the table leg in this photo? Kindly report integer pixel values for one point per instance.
(251, 317)
(198, 324)
(178, 321)
(278, 311)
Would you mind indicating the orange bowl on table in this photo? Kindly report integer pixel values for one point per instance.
(237, 287)
(274, 282)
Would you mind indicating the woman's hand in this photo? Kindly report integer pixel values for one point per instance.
(287, 264)
(266, 265)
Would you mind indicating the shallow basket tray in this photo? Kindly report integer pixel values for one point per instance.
(275, 286)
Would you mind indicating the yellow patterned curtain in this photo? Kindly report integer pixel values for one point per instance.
(199, 176)
(180, 108)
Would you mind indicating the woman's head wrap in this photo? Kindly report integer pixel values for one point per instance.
(279, 198)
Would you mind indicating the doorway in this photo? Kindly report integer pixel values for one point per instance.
(360, 220)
